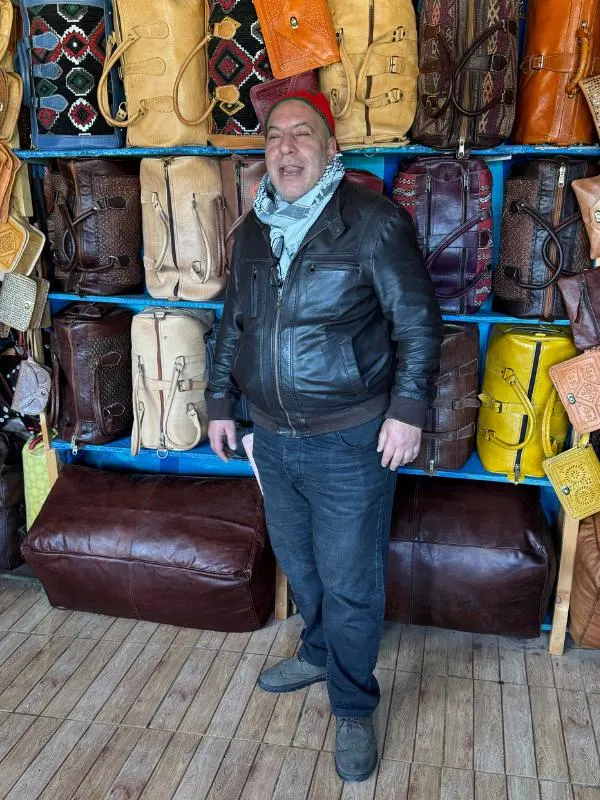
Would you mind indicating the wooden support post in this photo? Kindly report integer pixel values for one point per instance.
(282, 597)
(51, 457)
(569, 531)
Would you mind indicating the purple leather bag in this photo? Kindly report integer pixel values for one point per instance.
(450, 202)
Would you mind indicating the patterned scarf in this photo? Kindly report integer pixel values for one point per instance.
(289, 222)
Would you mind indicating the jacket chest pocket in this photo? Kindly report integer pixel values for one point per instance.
(330, 288)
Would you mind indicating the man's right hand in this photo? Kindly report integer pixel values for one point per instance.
(221, 432)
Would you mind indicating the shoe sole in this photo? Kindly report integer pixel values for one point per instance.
(362, 776)
(287, 687)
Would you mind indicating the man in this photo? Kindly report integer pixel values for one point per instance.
(332, 329)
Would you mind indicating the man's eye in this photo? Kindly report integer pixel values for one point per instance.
(272, 136)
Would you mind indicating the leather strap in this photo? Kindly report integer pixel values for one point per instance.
(457, 405)
(509, 376)
(553, 62)
(519, 206)
(201, 44)
(138, 409)
(346, 109)
(391, 96)
(451, 436)
(164, 222)
(113, 54)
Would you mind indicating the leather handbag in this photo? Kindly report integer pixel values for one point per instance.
(449, 435)
(23, 301)
(164, 548)
(96, 230)
(590, 87)
(240, 177)
(542, 237)
(34, 383)
(21, 245)
(263, 96)
(372, 87)
(581, 297)
(9, 168)
(93, 347)
(11, 97)
(562, 46)
(587, 192)
(467, 73)
(584, 608)
(35, 476)
(577, 382)
(151, 43)
(450, 202)
(169, 378)
(183, 228)
(298, 35)
(575, 477)
(61, 57)
(521, 421)
(6, 23)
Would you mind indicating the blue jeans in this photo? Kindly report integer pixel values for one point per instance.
(328, 504)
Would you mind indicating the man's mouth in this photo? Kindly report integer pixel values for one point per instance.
(290, 171)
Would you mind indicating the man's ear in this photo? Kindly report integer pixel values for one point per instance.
(332, 147)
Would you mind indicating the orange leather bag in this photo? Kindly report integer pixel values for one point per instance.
(562, 46)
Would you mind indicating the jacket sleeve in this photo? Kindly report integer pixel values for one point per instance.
(406, 295)
(221, 393)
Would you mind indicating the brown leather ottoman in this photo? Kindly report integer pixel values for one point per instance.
(184, 551)
(469, 555)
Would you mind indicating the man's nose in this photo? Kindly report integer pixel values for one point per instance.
(288, 143)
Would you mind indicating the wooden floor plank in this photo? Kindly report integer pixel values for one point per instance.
(153, 693)
(187, 637)
(585, 793)
(390, 640)
(385, 677)
(429, 738)
(233, 771)
(172, 766)
(457, 784)
(392, 781)
(582, 755)
(522, 788)
(136, 771)
(264, 772)
(18, 759)
(39, 665)
(142, 631)
(286, 641)
(512, 661)
(164, 634)
(262, 640)
(259, 709)
(229, 712)
(402, 720)
(284, 718)
(325, 781)
(486, 657)
(236, 642)
(52, 621)
(11, 730)
(424, 783)
(9, 643)
(296, 774)
(435, 655)
(200, 711)
(567, 670)
(211, 639)
(539, 668)
(107, 766)
(490, 787)
(202, 769)
(17, 662)
(365, 790)
(75, 623)
(120, 629)
(460, 654)
(314, 719)
(518, 733)
(590, 670)
(551, 758)
(13, 613)
(33, 616)
(411, 649)
(95, 626)
(488, 733)
(458, 739)
(549, 790)
(183, 689)
(9, 596)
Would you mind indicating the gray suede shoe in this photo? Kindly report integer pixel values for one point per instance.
(289, 675)
(355, 748)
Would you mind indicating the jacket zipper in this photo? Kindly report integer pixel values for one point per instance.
(161, 394)
(369, 78)
(549, 292)
(524, 423)
(464, 122)
(166, 163)
(428, 182)
(276, 339)
(77, 429)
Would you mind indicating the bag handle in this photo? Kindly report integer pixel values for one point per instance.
(584, 38)
(508, 375)
(202, 43)
(345, 111)
(163, 219)
(190, 411)
(101, 204)
(138, 409)
(213, 264)
(550, 447)
(394, 96)
(112, 57)
(512, 272)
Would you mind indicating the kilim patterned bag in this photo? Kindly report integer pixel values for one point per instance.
(61, 57)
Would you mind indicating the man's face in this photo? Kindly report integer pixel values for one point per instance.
(297, 149)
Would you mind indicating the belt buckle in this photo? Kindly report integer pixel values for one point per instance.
(536, 62)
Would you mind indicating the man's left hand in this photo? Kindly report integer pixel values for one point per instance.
(399, 442)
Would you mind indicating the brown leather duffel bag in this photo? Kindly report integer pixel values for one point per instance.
(113, 544)
(584, 609)
(562, 46)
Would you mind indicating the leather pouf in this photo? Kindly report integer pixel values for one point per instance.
(183, 551)
(584, 609)
(469, 555)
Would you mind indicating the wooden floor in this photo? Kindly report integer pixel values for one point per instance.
(97, 707)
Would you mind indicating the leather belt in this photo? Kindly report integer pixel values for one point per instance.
(555, 62)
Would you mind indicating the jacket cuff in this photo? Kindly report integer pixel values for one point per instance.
(409, 410)
(220, 408)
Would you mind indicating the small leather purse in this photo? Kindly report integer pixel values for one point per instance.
(298, 35)
(577, 382)
(581, 297)
(21, 245)
(34, 381)
(587, 191)
(590, 88)
(22, 301)
(575, 477)
(264, 95)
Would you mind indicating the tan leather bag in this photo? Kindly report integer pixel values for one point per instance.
(169, 378)
(587, 191)
(152, 41)
(6, 21)
(372, 90)
(183, 228)
(584, 609)
(11, 96)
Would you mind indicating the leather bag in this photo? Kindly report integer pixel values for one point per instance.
(263, 96)
(584, 608)
(581, 296)
(12, 515)
(151, 42)
(372, 87)
(449, 436)
(562, 46)
(450, 202)
(34, 383)
(587, 192)
(61, 57)
(93, 346)
(577, 382)
(183, 228)
(542, 237)
(11, 97)
(169, 378)
(298, 35)
(10, 167)
(164, 548)
(240, 177)
(469, 555)
(95, 225)
(575, 477)
(467, 73)
(521, 421)
(590, 87)
(23, 301)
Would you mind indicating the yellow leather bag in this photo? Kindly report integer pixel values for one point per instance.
(372, 90)
(152, 40)
(521, 420)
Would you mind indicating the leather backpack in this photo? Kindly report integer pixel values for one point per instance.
(562, 47)
(450, 202)
(94, 222)
(183, 227)
(170, 375)
(93, 348)
(542, 238)
(372, 89)
(467, 73)
(449, 435)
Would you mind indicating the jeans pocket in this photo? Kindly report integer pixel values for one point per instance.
(361, 437)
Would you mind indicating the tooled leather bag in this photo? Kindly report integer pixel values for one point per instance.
(448, 438)
(542, 237)
(562, 47)
(183, 227)
(577, 382)
(93, 347)
(581, 296)
(450, 202)
(95, 225)
(372, 89)
(264, 95)
(467, 73)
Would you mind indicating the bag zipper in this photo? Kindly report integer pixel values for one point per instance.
(534, 369)
(74, 448)
(161, 394)
(462, 301)
(549, 292)
(166, 163)
(369, 78)
(464, 122)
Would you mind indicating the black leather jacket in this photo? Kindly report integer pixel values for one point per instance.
(354, 331)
